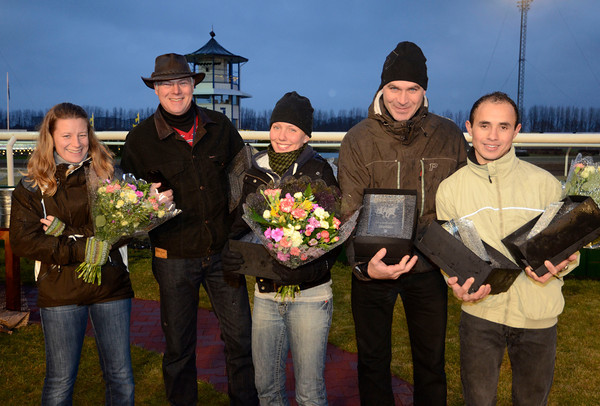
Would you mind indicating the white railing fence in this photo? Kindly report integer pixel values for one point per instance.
(14, 140)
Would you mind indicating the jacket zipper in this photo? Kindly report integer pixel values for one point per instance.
(422, 179)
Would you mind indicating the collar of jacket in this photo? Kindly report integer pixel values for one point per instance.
(405, 131)
(498, 168)
(164, 130)
(261, 162)
(67, 167)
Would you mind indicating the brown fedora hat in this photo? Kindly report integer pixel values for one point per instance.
(171, 66)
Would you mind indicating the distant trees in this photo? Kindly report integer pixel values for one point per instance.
(322, 120)
(117, 119)
(542, 119)
(538, 119)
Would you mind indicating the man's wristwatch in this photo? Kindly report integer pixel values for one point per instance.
(361, 271)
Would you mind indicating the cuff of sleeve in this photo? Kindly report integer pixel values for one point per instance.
(55, 228)
(361, 272)
(96, 251)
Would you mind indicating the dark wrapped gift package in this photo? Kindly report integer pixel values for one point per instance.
(455, 259)
(257, 260)
(575, 224)
(388, 220)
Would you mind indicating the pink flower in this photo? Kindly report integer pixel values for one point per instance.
(325, 234)
(286, 205)
(139, 194)
(282, 257)
(295, 251)
(274, 193)
(314, 222)
(273, 233)
(336, 223)
(277, 234)
(285, 242)
(312, 242)
(299, 213)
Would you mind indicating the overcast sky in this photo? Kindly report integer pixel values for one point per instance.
(332, 51)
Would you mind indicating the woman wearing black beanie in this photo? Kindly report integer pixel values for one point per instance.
(300, 324)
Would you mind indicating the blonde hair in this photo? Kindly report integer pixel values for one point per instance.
(41, 168)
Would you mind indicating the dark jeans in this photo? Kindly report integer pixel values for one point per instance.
(425, 300)
(531, 352)
(179, 281)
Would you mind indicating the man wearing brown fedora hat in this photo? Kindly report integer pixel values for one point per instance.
(187, 149)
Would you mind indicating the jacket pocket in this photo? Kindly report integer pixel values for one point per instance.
(168, 174)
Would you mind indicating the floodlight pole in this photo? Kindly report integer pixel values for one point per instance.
(524, 7)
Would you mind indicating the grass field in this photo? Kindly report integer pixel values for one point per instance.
(576, 377)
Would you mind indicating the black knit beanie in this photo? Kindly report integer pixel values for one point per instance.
(294, 109)
(406, 62)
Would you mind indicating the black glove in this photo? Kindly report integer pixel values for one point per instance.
(232, 260)
(305, 273)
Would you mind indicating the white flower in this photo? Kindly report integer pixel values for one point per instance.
(587, 171)
(289, 230)
(298, 195)
(296, 239)
(320, 213)
(267, 214)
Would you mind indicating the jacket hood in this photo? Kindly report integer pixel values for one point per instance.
(405, 131)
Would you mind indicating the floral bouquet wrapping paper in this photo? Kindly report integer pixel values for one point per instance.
(122, 208)
(297, 221)
(584, 180)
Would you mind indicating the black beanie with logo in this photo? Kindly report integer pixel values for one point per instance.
(406, 62)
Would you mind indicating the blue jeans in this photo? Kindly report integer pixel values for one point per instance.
(179, 281)
(531, 352)
(64, 330)
(425, 299)
(302, 327)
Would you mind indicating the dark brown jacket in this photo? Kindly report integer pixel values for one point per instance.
(58, 284)
(416, 154)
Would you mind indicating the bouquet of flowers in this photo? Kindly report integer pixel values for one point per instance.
(122, 208)
(584, 180)
(297, 221)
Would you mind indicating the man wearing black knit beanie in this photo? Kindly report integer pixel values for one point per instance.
(400, 145)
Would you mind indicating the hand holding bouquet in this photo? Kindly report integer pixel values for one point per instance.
(297, 221)
(121, 208)
(584, 180)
